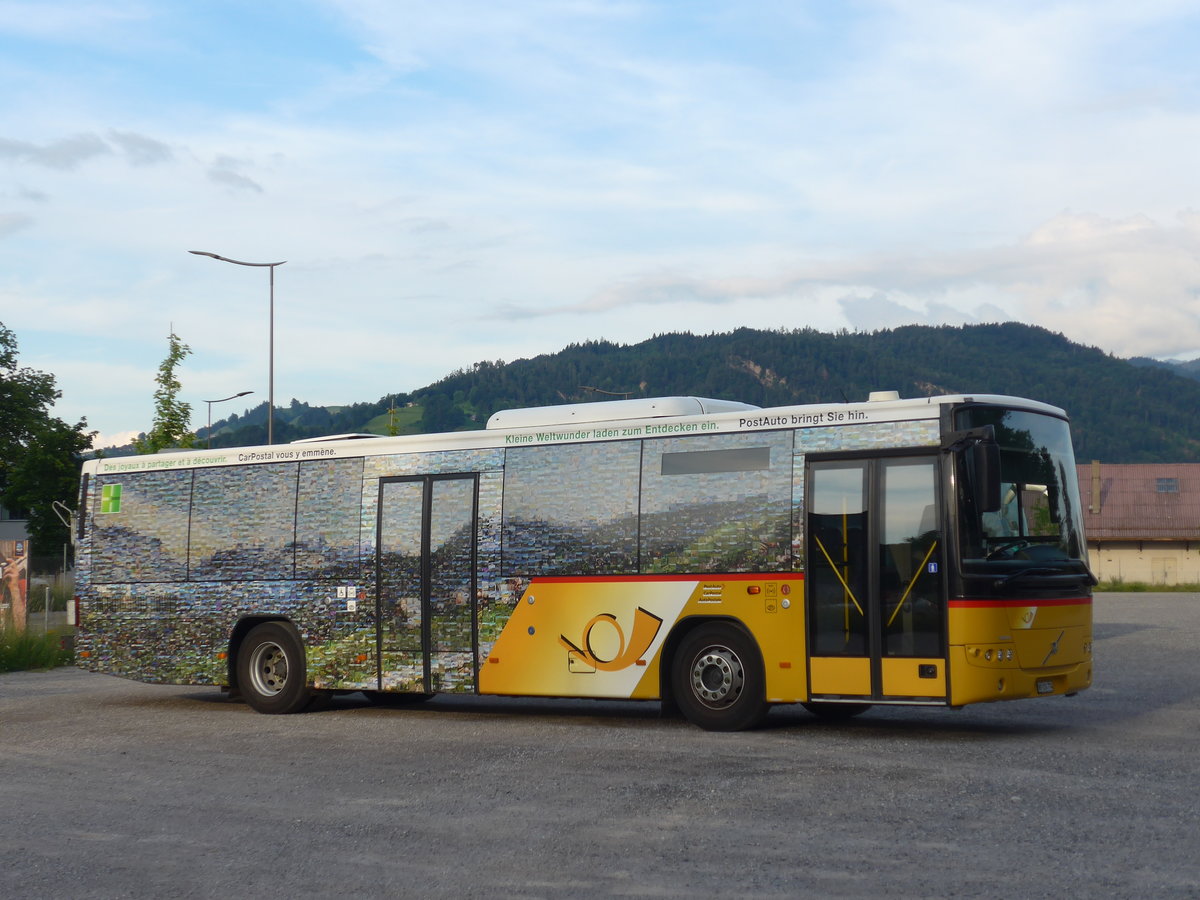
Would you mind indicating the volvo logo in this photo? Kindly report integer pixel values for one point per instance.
(1054, 647)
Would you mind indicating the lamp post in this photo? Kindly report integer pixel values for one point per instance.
(271, 333)
(222, 400)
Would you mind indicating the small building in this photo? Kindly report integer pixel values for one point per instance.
(12, 525)
(1142, 521)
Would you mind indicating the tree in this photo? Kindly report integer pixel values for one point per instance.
(26, 396)
(171, 416)
(40, 454)
(440, 414)
(48, 471)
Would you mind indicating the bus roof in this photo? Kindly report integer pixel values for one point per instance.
(580, 423)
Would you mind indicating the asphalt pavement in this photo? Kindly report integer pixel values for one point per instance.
(110, 788)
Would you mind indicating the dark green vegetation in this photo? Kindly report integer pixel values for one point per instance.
(1120, 412)
(39, 453)
(1141, 587)
(1190, 369)
(32, 651)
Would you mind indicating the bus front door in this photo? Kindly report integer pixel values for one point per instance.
(873, 580)
(426, 583)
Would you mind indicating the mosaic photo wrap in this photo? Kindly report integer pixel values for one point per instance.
(572, 509)
(243, 523)
(389, 591)
(140, 527)
(720, 503)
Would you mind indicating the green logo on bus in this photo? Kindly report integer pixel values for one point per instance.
(110, 498)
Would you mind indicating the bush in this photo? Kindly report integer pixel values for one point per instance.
(1142, 587)
(32, 651)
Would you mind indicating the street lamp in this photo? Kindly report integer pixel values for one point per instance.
(271, 343)
(222, 400)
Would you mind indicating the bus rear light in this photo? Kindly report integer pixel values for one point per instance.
(754, 589)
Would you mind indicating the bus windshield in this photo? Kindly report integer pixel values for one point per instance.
(1039, 516)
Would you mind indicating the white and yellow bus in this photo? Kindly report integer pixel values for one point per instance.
(711, 555)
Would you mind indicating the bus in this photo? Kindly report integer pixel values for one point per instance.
(714, 556)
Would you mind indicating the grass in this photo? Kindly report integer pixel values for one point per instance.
(407, 421)
(61, 589)
(1130, 587)
(32, 651)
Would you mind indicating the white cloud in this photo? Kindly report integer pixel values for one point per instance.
(13, 222)
(483, 181)
(141, 150)
(64, 153)
(230, 178)
(1130, 285)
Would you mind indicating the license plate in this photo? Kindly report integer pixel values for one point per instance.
(1045, 686)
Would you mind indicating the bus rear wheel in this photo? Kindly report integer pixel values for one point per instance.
(717, 678)
(272, 675)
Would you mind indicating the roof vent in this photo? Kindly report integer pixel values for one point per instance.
(613, 411)
(880, 396)
(334, 437)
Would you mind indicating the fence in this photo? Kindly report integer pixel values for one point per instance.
(39, 604)
(48, 606)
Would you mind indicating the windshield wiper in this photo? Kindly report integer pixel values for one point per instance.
(1048, 577)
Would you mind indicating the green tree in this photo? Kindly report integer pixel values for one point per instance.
(39, 453)
(171, 416)
(46, 472)
(440, 414)
(25, 399)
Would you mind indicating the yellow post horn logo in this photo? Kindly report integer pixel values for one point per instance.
(645, 628)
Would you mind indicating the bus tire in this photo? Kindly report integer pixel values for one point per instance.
(717, 678)
(836, 712)
(272, 675)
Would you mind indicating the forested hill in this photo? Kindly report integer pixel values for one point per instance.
(1120, 412)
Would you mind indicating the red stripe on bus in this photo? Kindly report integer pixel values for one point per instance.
(969, 603)
(712, 576)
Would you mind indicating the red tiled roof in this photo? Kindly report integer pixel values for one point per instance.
(1140, 502)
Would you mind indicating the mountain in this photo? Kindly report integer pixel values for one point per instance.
(1190, 369)
(1121, 411)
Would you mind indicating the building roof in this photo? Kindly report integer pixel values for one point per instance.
(1149, 501)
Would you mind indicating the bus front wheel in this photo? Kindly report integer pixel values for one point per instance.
(717, 678)
(272, 676)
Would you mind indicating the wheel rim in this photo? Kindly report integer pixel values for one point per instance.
(717, 677)
(268, 669)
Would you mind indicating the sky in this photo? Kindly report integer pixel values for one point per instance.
(453, 182)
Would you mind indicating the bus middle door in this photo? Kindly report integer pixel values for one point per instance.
(426, 583)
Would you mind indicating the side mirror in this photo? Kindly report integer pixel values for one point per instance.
(985, 471)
